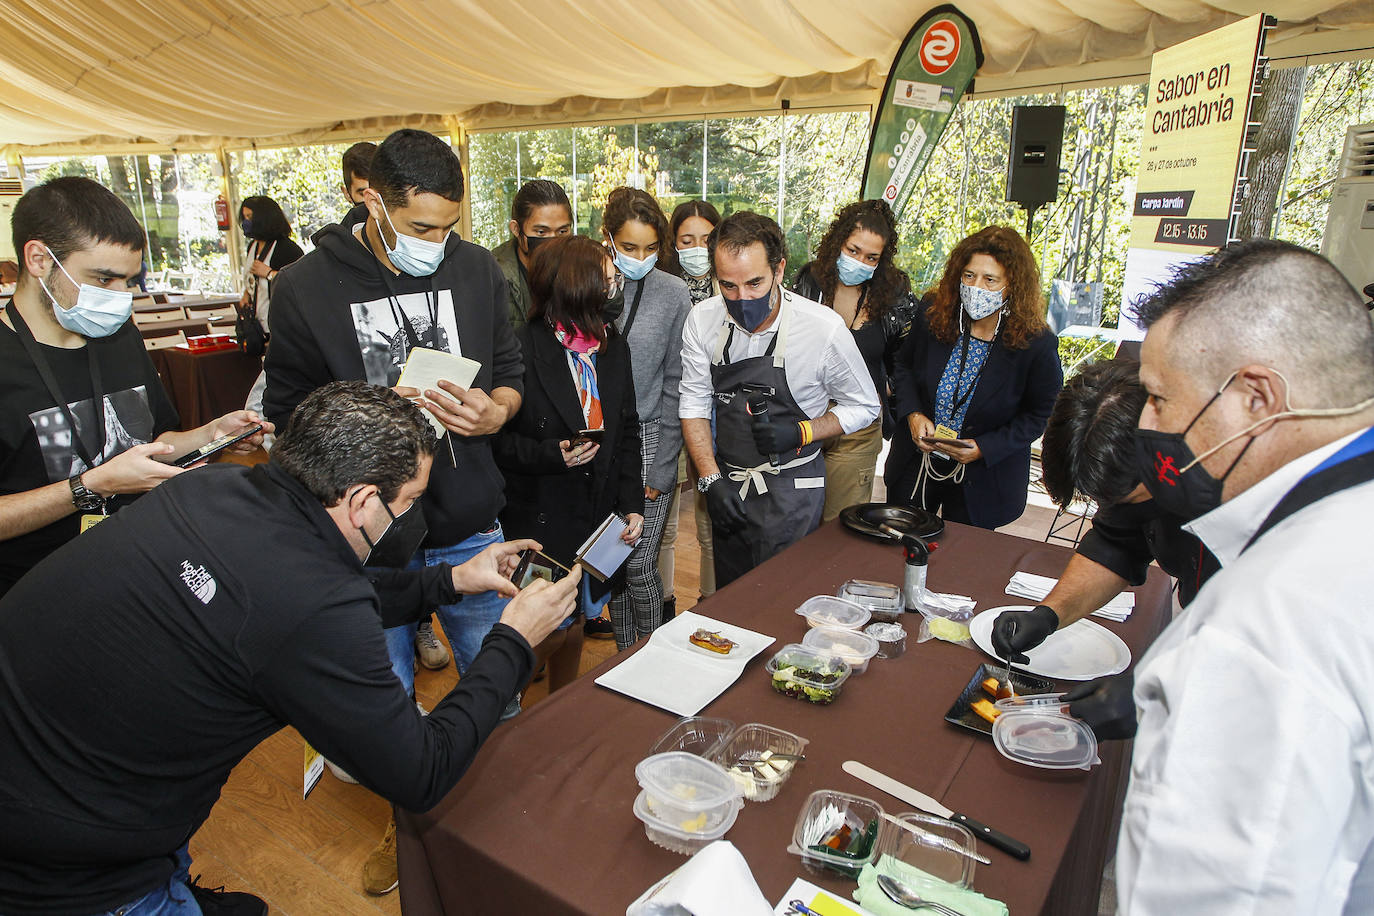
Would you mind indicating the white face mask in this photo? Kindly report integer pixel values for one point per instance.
(98, 312)
(417, 257)
(979, 303)
(696, 261)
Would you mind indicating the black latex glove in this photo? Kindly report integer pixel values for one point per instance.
(775, 437)
(725, 506)
(1013, 632)
(1106, 705)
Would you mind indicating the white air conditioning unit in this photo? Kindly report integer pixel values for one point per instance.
(1349, 238)
(11, 189)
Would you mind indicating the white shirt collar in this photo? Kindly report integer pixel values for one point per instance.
(1228, 528)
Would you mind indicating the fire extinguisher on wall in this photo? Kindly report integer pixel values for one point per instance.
(222, 214)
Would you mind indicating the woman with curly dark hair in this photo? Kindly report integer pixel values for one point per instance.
(975, 383)
(854, 273)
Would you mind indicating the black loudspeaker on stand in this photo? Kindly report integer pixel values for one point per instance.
(1037, 136)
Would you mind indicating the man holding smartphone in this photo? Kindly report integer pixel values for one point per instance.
(86, 424)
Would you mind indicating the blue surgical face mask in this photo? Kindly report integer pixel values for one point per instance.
(634, 268)
(979, 303)
(696, 261)
(98, 312)
(750, 313)
(247, 226)
(853, 271)
(417, 257)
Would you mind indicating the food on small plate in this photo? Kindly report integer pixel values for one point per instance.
(997, 689)
(985, 709)
(712, 641)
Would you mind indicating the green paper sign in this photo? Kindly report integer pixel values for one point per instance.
(932, 70)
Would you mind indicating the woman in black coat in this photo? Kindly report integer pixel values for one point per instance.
(560, 487)
(270, 248)
(974, 384)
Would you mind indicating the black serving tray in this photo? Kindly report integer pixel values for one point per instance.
(962, 714)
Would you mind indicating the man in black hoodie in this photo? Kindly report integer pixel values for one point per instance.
(355, 306)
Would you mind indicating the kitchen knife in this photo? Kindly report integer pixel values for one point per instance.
(1011, 847)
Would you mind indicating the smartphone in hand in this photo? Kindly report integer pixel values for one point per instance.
(955, 443)
(535, 564)
(215, 446)
(587, 437)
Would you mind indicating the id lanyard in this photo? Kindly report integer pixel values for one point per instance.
(957, 401)
(40, 362)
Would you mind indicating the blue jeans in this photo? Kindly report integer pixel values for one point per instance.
(172, 899)
(466, 623)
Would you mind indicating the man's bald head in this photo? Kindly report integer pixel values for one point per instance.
(1269, 303)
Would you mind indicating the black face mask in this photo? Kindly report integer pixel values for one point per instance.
(1161, 459)
(750, 313)
(402, 537)
(613, 307)
(534, 241)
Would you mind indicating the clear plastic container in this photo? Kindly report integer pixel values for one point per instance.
(807, 674)
(854, 646)
(750, 744)
(884, 601)
(827, 611)
(1044, 737)
(695, 735)
(930, 849)
(681, 786)
(1041, 701)
(891, 638)
(685, 835)
(826, 809)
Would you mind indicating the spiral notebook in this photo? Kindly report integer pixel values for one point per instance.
(604, 552)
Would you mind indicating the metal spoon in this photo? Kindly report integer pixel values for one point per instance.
(901, 894)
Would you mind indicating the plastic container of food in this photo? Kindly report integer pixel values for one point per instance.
(891, 638)
(929, 849)
(854, 646)
(1041, 736)
(697, 735)
(807, 674)
(827, 812)
(827, 611)
(884, 601)
(745, 754)
(685, 835)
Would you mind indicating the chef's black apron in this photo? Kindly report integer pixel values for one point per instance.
(782, 504)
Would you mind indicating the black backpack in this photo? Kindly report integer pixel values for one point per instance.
(247, 329)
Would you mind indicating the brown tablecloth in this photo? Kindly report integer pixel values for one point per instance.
(204, 386)
(542, 822)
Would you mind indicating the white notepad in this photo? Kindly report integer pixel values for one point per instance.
(604, 552)
(425, 367)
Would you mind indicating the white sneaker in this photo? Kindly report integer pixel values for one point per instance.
(339, 772)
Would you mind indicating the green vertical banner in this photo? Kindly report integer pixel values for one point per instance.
(929, 75)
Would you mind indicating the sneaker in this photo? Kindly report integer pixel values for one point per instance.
(216, 901)
(669, 609)
(379, 871)
(599, 628)
(432, 653)
(512, 709)
(339, 772)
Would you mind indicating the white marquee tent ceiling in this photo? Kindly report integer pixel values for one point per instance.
(108, 73)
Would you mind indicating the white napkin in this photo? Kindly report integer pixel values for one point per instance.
(714, 882)
(1035, 588)
(955, 607)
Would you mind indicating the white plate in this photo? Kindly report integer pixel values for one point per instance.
(1079, 652)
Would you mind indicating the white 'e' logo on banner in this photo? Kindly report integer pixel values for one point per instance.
(939, 47)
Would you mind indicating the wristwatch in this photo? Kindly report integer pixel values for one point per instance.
(704, 483)
(84, 499)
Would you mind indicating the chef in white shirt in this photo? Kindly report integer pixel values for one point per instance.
(1252, 779)
(766, 377)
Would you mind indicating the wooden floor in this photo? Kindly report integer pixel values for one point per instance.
(306, 856)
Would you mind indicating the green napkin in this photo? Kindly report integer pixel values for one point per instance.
(871, 896)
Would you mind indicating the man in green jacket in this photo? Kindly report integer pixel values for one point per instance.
(539, 212)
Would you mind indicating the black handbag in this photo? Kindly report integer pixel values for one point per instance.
(248, 330)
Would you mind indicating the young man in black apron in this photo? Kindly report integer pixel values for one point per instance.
(1252, 774)
(766, 377)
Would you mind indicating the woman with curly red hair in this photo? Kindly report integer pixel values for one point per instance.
(975, 383)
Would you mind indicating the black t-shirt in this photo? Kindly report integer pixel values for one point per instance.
(1127, 537)
(140, 663)
(36, 446)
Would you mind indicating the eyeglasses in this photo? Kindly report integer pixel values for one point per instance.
(616, 286)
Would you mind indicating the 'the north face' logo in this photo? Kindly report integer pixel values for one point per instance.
(198, 580)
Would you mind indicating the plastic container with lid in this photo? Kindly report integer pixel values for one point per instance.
(684, 835)
(827, 611)
(825, 810)
(891, 638)
(1042, 736)
(807, 674)
(883, 601)
(746, 747)
(929, 848)
(697, 735)
(854, 646)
